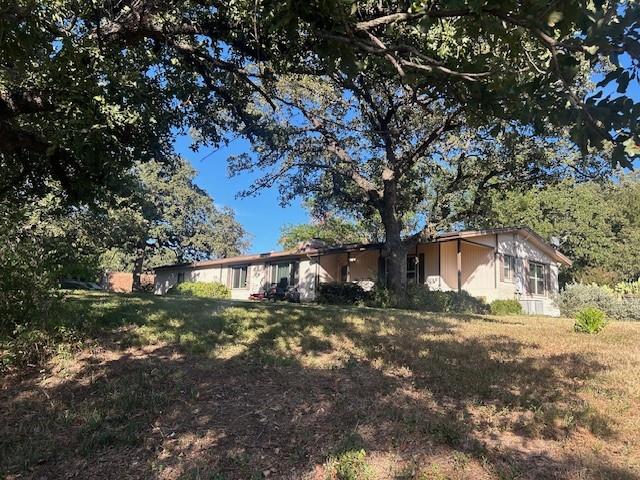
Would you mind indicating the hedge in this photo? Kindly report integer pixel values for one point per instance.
(341, 293)
(506, 307)
(202, 289)
(575, 297)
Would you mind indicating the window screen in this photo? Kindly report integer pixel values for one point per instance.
(239, 277)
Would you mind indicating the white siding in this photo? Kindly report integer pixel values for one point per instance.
(307, 281)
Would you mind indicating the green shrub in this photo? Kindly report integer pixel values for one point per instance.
(352, 465)
(341, 293)
(380, 297)
(627, 288)
(419, 297)
(590, 320)
(624, 308)
(506, 307)
(464, 302)
(576, 297)
(202, 289)
(28, 284)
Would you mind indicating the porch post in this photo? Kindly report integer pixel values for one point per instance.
(459, 258)
(439, 266)
(495, 264)
(348, 267)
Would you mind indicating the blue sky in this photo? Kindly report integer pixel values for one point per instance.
(261, 216)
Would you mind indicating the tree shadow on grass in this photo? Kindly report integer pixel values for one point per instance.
(255, 390)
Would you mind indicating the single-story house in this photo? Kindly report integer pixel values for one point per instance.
(504, 263)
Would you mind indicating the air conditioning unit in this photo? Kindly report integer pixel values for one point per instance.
(532, 307)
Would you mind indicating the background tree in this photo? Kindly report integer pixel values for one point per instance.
(384, 150)
(597, 223)
(181, 222)
(333, 230)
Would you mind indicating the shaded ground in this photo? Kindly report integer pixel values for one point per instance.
(193, 389)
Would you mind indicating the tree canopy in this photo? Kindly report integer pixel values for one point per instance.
(89, 88)
(166, 218)
(333, 230)
(415, 159)
(182, 220)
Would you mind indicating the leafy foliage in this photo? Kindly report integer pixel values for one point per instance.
(42, 242)
(123, 77)
(590, 320)
(166, 218)
(380, 297)
(624, 308)
(419, 297)
(627, 288)
(577, 296)
(341, 293)
(182, 222)
(29, 271)
(202, 289)
(506, 307)
(596, 222)
(332, 230)
(574, 297)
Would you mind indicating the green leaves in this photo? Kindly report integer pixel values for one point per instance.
(183, 224)
(598, 223)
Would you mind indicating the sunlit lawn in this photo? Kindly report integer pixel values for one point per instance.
(189, 388)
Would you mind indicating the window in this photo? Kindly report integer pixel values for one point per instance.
(509, 266)
(284, 274)
(240, 277)
(536, 278)
(412, 269)
(344, 273)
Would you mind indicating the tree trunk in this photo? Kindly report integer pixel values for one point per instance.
(138, 265)
(396, 268)
(395, 248)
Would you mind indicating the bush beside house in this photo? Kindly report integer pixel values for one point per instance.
(418, 298)
(421, 298)
(506, 307)
(617, 306)
(202, 289)
(341, 294)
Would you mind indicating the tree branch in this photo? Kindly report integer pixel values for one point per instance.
(409, 160)
(24, 102)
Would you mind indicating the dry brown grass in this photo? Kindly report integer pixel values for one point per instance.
(188, 388)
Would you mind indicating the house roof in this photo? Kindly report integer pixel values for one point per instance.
(308, 250)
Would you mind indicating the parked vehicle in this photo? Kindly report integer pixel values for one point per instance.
(70, 284)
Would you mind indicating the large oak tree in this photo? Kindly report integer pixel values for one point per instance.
(413, 158)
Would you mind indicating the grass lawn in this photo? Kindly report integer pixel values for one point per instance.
(189, 388)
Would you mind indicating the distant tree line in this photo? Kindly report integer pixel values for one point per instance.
(596, 222)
